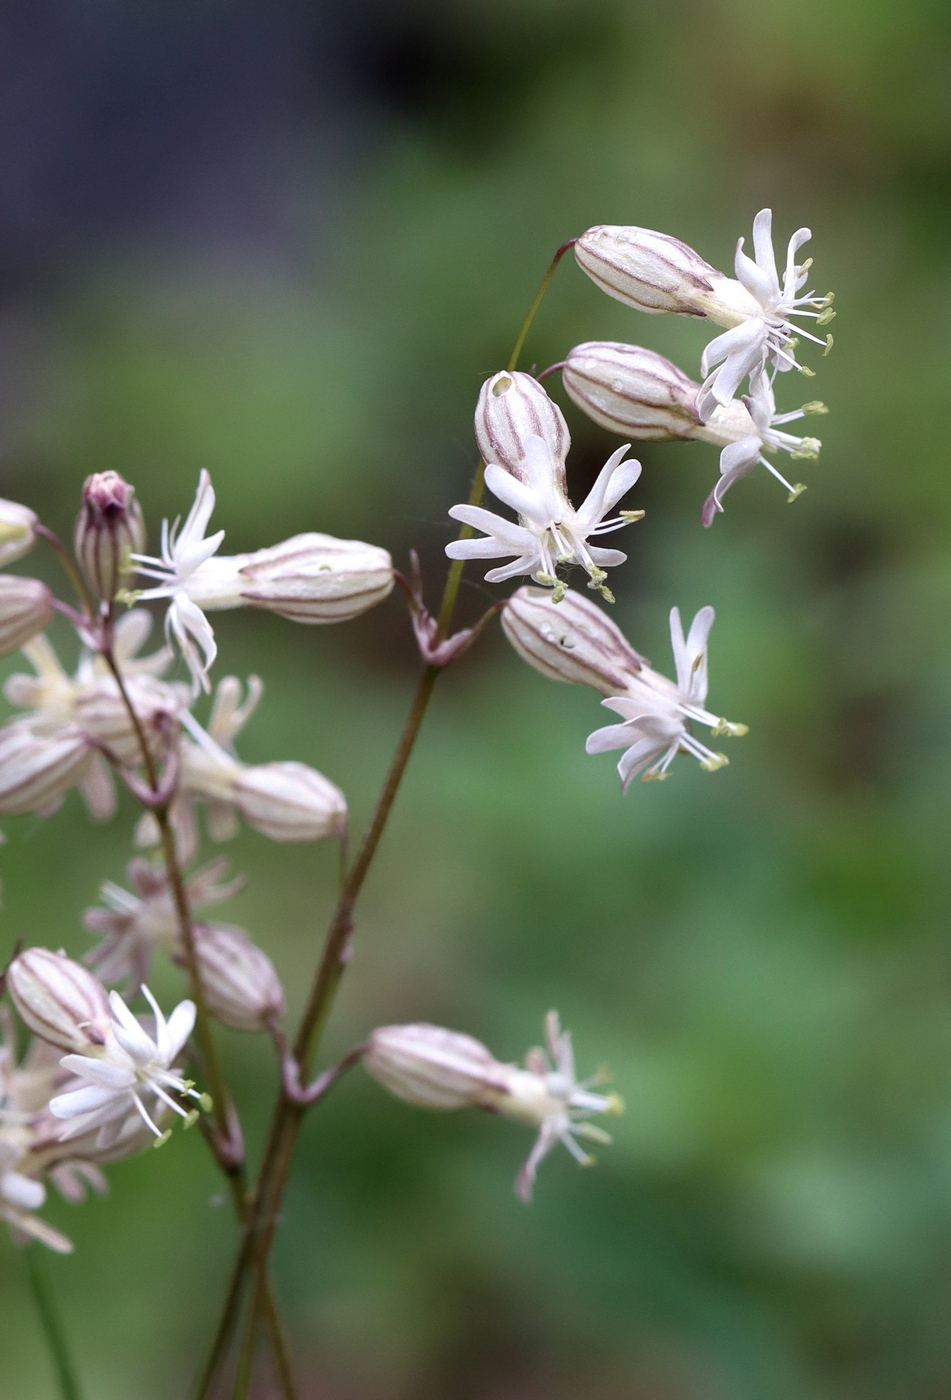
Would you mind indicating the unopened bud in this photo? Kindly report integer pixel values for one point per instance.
(512, 407)
(435, 1068)
(573, 640)
(37, 770)
(18, 525)
(109, 529)
(316, 578)
(242, 989)
(656, 273)
(289, 802)
(26, 607)
(58, 999)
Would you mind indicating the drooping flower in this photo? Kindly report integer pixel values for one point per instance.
(549, 532)
(183, 552)
(442, 1069)
(87, 708)
(130, 1069)
(740, 456)
(138, 921)
(657, 712)
(769, 335)
(310, 578)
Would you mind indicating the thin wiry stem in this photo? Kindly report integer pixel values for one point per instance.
(52, 1326)
(222, 1138)
(285, 1124)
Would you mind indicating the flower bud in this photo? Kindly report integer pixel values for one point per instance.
(656, 273)
(512, 407)
(37, 770)
(26, 607)
(289, 802)
(573, 640)
(316, 578)
(242, 988)
(109, 529)
(435, 1068)
(58, 999)
(18, 525)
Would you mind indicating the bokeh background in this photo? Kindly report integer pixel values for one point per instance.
(286, 242)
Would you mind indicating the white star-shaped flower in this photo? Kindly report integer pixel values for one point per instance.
(769, 336)
(183, 553)
(739, 458)
(656, 711)
(558, 1102)
(129, 1069)
(549, 532)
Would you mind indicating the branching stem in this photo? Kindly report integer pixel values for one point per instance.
(254, 1248)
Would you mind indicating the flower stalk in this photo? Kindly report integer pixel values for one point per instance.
(254, 1247)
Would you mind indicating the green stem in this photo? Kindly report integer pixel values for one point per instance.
(52, 1326)
(285, 1125)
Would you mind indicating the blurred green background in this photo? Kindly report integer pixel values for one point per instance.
(286, 243)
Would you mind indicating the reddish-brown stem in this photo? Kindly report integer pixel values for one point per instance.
(285, 1124)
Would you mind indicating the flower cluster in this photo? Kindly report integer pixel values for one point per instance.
(100, 1080)
(637, 393)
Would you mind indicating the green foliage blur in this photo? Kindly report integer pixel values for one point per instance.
(760, 956)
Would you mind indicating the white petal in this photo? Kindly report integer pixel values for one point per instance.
(514, 493)
(22, 1191)
(102, 1072)
(757, 282)
(613, 480)
(86, 1100)
(738, 458)
(612, 736)
(763, 244)
(179, 1028)
(638, 757)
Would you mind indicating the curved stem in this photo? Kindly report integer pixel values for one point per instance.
(52, 1326)
(285, 1124)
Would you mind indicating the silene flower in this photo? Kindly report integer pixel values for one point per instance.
(433, 1067)
(766, 334)
(657, 712)
(549, 532)
(136, 922)
(131, 1070)
(183, 552)
(309, 578)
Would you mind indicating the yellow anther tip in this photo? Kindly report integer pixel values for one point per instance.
(796, 492)
(161, 1141)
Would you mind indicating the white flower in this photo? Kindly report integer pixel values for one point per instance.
(135, 924)
(656, 711)
(551, 1096)
(768, 335)
(550, 531)
(130, 1068)
(442, 1069)
(91, 700)
(754, 428)
(183, 553)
